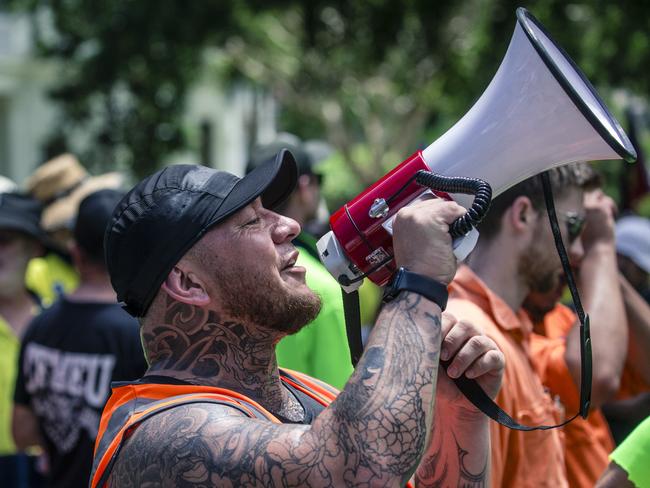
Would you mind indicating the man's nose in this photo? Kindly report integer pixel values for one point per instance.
(286, 229)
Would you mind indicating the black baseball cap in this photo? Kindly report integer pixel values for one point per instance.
(21, 213)
(262, 152)
(165, 214)
(93, 215)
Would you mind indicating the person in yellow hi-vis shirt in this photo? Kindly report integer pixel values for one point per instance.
(629, 466)
(50, 276)
(20, 240)
(60, 184)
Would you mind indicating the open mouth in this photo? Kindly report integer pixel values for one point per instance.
(291, 261)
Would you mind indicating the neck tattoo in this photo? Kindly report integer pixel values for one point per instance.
(198, 346)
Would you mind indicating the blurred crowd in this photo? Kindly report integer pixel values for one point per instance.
(64, 338)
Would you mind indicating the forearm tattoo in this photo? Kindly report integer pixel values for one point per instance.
(373, 434)
(468, 479)
(383, 411)
(441, 467)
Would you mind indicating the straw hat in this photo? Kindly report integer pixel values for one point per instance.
(60, 184)
(55, 178)
(62, 213)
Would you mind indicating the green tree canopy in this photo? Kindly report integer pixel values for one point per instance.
(385, 75)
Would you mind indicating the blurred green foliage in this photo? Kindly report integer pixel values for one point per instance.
(376, 78)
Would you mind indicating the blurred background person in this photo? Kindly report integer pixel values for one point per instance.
(555, 346)
(72, 352)
(632, 405)
(514, 256)
(320, 349)
(629, 466)
(633, 248)
(321, 154)
(60, 184)
(20, 240)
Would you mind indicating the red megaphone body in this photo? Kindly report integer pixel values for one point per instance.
(363, 227)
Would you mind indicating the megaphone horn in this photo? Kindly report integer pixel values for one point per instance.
(538, 112)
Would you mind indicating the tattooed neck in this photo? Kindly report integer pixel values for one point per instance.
(199, 346)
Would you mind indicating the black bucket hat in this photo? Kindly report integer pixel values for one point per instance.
(165, 214)
(21, 213)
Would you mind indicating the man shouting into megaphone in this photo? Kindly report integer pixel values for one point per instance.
(202, 259)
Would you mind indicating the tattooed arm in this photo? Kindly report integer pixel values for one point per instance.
(459, 451)
(373, 434)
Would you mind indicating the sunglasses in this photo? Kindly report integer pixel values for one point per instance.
(575, 223)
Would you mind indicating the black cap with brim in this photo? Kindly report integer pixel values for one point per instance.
(14, 223)
(262, 153)
(165, 214)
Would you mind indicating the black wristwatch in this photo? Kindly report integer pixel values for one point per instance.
(417, 283)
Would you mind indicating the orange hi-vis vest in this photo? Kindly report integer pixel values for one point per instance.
(131, 404)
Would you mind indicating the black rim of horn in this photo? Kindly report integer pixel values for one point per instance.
(624, 150)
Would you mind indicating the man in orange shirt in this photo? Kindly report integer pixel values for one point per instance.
(514, 255)
(555, 351)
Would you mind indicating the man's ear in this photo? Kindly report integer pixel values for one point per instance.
(186, 287)
(521, 215)
(303, 180)
(302, 185)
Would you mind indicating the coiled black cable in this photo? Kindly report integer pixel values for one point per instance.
(481, 190)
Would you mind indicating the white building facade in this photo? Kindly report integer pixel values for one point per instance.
(222, 123)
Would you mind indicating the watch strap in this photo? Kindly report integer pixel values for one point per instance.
(422, 285)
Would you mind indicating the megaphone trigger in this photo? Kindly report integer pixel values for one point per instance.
(480, 189)
(463, 230)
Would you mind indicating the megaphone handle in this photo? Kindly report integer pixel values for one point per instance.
(465, 236)
(481, 190)
(463, 245)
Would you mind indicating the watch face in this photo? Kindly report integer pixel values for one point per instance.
(399, 276)
(392, 288)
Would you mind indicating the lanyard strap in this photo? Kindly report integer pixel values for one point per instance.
(585, 337)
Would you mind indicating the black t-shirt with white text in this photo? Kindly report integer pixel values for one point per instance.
(69, 356)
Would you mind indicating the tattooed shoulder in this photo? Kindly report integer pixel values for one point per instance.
(197, 445)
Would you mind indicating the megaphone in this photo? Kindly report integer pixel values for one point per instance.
(538, 112)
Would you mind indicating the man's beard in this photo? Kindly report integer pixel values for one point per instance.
(538, 269)
(258, 300)
(541, 283)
